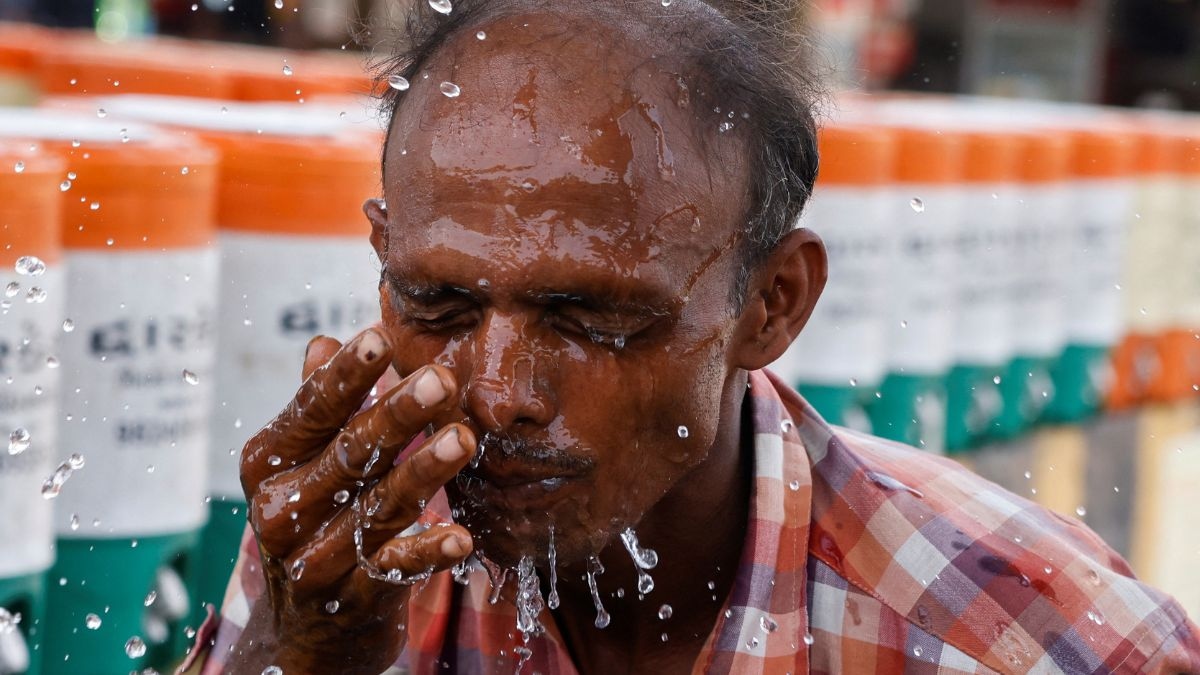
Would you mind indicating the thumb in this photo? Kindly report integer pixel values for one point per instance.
(318, 352)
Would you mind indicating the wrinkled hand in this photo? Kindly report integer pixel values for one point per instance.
(330, 507)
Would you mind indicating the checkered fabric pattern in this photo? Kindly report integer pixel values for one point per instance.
(864, 556)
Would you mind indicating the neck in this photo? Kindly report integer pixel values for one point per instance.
(698, 530)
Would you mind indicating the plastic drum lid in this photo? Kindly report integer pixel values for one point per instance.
(854, 154)
(30, 206)
(310, 172)
(89, 67)
(152, 191)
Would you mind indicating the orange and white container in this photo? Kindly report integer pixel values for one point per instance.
(31, 319)
(141, 260)
(841, 351)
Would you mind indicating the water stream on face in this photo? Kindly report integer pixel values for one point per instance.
(529, 600)
(497, 575)
(643, 559)
(595, 569)
(552, 601)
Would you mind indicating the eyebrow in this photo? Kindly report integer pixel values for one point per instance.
(602, 302)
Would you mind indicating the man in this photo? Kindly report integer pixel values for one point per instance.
(588, 259)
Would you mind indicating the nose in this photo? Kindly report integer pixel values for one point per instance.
(505, 388)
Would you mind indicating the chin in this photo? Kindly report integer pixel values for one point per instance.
(504, 536)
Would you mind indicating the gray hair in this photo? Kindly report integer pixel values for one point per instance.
(750, 55)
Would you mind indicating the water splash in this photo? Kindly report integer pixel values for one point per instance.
(52, 486)
(643, 559)
(135, 648)
(394, 577)
(497, 575)
(529, 599)
(552, 601)
(595, 569)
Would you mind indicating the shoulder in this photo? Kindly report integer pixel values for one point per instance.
(995, 576)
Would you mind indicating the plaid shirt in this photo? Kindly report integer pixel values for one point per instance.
(865, 556)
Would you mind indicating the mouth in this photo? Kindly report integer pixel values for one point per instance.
(517, 488)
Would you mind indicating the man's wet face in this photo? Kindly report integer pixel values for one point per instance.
(559, 238)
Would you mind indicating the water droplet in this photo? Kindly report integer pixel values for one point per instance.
(332, 606)
(665, 612)
(682, 431)
(794, 485)
(100, 112)
(449, 89)
(74, 522)
(92, 621)
(19, 167)
(30, 266)
(1080, 511)
(398, 82)
(917, 204)
(287, 70)
(752, 643)
(917, 651)
(441, 6)
(666, 3)
(296, 571)
(190, 377)
(724, 126)
(36, 295)
(294, 496)
(595, 569)
(888, 483)
(95, 206)
(135, 648)
(278, 4)
(150, 598)
(68, 325)
(52, 486)
(808, 639)
(51, 362)
(767, 624)
(904, 324)
(663, 637)
(18, 441)
(12, 289)
(996, 380)
(339, 497)
(481, 35)
(1096, 618)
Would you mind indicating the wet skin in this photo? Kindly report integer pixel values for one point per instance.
(561, 245)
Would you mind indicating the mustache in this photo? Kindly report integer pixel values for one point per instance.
(510, 447)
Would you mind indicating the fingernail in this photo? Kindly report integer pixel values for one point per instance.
(448, 448)
(370, 346)
(429, 389)
(454, 547)
(308, 347)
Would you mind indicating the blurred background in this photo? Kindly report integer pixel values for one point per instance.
(1010, 195)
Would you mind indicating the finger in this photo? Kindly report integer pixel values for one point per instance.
(367, 447)
(436, 549)
(326, 399)
(388, 508)
(318, 352)
(400, 496)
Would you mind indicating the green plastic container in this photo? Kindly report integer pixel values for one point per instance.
(1026, 389)
(911, 409)
(219, 542)
(24, 595)
(113, 579)
(973, 405)
(841, 406)
(1082, 377)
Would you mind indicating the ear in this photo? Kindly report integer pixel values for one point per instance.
(779, 299)
(376, 210)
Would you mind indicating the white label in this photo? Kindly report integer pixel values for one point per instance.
(142, 318)
(844, 338)
(276, 294)
(920, 291)
(983, 331)
(28, 336)
(1095, 255)
(1152, 254)
(1036, 286)
(1187, 273)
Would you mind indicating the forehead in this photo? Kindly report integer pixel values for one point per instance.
(574, 129)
